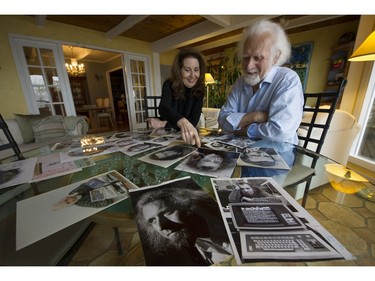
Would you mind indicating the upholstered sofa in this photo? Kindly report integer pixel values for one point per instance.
(32, 131)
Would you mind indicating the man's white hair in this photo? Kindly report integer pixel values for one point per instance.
(281, 47)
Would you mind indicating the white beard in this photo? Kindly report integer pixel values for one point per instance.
(252, 80)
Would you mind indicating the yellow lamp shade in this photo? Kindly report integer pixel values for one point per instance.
(365, 52)
(343, 179)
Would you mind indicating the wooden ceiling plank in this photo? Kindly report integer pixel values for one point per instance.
(126, 24)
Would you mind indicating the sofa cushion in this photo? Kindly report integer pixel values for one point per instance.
(24, 122)
(14, 130)
(49, 128)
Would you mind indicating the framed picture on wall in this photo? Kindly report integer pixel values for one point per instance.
(300, 61)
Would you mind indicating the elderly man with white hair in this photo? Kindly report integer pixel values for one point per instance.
(266, 102)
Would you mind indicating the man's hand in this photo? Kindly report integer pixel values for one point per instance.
(188, 132)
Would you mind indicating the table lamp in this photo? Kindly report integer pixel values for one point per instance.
(344, 180)
(208, 79)
(366, 52)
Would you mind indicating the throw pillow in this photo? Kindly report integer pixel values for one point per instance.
(24, 122)
(49, 128)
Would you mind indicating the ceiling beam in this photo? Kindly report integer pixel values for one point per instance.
(187, 36)
(223, 21)
(202, 31)
(123, 26)
(242, 21)
(40, 20)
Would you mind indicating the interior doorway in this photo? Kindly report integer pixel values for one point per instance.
(118, 91)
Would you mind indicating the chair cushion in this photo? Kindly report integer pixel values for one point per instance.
(24, 122)
(49, 128)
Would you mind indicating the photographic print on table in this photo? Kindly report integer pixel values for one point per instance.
(262, 157)
(210, 162)
(89, 151)
(125, 142)
(220, 146)
(121, 136)
(237, 141)
(67, 205)
(259, 190)
(167, 156)
(163, 140)
(179, 224)
(260, 241)
(17, 172)
(139, 148)
(165, 132)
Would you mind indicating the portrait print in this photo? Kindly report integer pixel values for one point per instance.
(180, 224)
(210, 162)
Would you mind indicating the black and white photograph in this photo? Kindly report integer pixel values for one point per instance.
(17, 172)
(163, 140)
(139, 148)
(243, 190)
(220, 146)
(237, 141)
(167, 156)
(210, 162)
(268, 224)
(84, 152)
(180, 224)
(262, 157)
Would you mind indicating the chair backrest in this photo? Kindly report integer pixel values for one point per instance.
(318, 116)
(11, 142)
(151, 106)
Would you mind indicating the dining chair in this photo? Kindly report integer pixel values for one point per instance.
(151, 107)
(10, 143)
(318, 110)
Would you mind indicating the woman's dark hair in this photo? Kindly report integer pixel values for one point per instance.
(178, 86)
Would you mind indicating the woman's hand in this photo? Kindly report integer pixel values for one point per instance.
(156, 123)
(188, 132)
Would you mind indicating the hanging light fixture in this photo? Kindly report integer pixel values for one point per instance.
(74, 68)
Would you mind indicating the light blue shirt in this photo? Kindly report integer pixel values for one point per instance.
(280, 94)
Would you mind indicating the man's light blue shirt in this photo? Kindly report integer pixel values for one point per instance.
(280, 94)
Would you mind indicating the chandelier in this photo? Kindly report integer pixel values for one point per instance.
(75, 69)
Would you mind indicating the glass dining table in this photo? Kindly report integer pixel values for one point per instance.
(346, 211)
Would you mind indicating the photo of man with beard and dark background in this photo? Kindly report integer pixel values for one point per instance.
(180, 224)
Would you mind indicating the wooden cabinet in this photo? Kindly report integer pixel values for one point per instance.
(339, 65)
(79, 90)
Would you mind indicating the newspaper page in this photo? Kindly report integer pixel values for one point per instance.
(265, 223)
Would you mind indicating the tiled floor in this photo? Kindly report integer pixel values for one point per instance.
(100, 248)
(348, 218)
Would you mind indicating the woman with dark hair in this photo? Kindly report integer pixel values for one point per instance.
(182, 96)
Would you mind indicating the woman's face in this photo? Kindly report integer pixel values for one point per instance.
(190, 72)
(210, 162)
